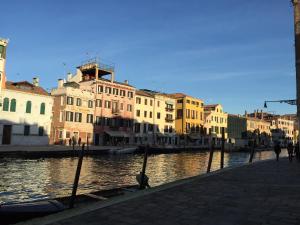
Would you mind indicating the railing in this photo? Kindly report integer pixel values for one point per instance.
(169, 120)
(96, 61)
(169, 109)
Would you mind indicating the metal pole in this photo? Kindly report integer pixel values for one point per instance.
(142, 186)
(222, 148)
(87, 143)
(211, 154)
(76, 179)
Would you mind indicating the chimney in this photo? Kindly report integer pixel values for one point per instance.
(126, 81)
(60, 83)
(112, 77)
(246, 114)
(35, 81)
(261, 114)
(255, 113)
(69, 77)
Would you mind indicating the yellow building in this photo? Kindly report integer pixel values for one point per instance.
(215, 120)
(189, 114)
(154, 118)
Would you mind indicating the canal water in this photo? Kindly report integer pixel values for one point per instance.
(32, 179)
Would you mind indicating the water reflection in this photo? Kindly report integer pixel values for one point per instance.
(28, 179)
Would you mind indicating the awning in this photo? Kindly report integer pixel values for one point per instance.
(170, 102)
(117, 133)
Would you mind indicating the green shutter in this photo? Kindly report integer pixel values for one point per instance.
(28, 107)
(5, 104)
(42, 109)
(13, 105)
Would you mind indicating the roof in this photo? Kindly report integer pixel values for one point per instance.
(211, 106)
(25, 86)
(143, 93)
(182, 95)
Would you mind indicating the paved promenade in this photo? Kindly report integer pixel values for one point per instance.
(263, 193)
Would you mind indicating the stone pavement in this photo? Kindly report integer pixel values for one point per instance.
(262, 193)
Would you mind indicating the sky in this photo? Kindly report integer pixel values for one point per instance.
(236, 53)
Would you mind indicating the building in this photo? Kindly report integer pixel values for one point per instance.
(3, 44)
(236, 129)
(73, 114)
(25, 112)
(189, 114)
(215, 121)
(113, 103)
(154, 118)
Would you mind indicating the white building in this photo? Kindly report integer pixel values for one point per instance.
(25, 111)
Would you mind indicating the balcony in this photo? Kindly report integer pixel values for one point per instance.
(115, 111)
(169, 120)
(168, 109)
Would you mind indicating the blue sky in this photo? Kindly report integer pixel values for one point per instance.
(237, 53)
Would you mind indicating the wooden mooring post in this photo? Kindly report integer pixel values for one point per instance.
(142, 183)
(222, 148)
(76, 179)
(211, 154)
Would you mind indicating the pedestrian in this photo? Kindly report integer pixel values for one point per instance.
(73, 142)
(290, 151)
(277, 150)
(70, 141)
(297, 151)
(79, 141)
(145, 181)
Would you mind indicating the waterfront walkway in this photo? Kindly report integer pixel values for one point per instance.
(262, 193)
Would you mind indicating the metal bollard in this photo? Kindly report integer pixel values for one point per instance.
(76, 179)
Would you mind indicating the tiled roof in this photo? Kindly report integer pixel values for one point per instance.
(182, 95)
(211, 106)
(143, 93)
(25, 86)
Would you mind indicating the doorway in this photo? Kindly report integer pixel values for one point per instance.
(6, 138)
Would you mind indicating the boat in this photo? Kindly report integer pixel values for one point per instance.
(127, 150)
(18, 212)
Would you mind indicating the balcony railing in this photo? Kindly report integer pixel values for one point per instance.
(169, 109)
(169, 120)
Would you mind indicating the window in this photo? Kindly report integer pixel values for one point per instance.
(41, 131)
(151, 102)
(158, 115)
(89, 118)
(107, 104)
(115, 91)
(69, 100)
(60, 135)
(26, 130)
(78, 117)
(150, 127)
(179, 113)
(179, 101)
(138, 113)
(98, 120)
(129, 108)
(130, 94)
(145, 128)
(137, 128)
(42, 109)
(158, 103)
(5, 104)
(13, 105)
(145, 113)
(121, 106)
(62, 100)
(68, 134)
(188, 101)
(138, 100)
(122, 93)
(90, 104)
(98, 103)
(108, 90)
(69, 116)
(146, 101)
(150, 114)
(100, 88)
(28, 107)
(78, 102)
(61, 116)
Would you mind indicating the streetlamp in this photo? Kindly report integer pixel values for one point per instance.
(290, 102)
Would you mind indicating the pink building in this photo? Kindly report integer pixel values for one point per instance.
(113, 103)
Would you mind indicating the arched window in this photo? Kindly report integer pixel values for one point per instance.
(42, 109)
(13, 105)
(5, 104)
(28, 107)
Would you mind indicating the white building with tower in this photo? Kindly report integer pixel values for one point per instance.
(25, 109)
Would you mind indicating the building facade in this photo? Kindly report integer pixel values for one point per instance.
(215, 121)
(236, 129)
(113, 103)
(3, 44)
(73, 114)
(154, 118)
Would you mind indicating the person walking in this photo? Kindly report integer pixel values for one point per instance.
(277, 150)
(297, 151)
(79, 141)
(290, 149)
